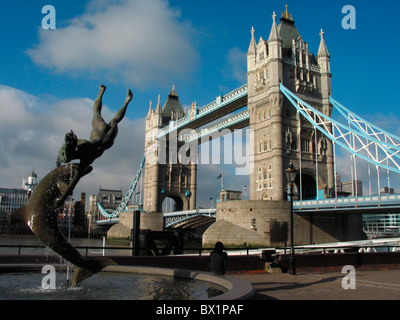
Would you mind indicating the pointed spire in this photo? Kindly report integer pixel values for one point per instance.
(323, 50)
(158, 108)
(274, 35)
(150, 110)
(253, 44)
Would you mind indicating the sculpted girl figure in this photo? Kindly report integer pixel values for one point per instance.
(102, 138)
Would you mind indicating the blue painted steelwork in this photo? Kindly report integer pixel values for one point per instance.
(365, 126)
(355, 141)
(226, 123)
(389, 201)
(220, 102)
(122, 206)
(109, 221)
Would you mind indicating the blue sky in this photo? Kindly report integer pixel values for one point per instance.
(49, 78)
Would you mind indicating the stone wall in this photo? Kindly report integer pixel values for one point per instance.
(251, 223)
(267, 224)
(148, 221)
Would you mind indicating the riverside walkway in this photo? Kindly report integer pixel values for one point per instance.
(370, 285)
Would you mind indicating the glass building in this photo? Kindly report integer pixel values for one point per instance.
(12, 199)
(382, 225)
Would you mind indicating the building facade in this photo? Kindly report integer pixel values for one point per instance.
(12, 199)
(109, 200)
(381, 225)
(280, 133)
(71, 217)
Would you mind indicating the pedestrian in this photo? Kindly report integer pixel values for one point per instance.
(218, 259)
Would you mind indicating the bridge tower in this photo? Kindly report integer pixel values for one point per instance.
(280, 133)
(165, 176)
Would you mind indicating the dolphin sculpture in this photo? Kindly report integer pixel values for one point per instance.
(41, 214)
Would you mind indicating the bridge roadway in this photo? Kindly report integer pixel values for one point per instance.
(362, 205)
(385, 203)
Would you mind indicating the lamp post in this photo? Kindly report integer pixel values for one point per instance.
(291, 174)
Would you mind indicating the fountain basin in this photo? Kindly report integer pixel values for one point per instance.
(222, 287)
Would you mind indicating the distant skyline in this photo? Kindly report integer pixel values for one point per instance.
(49, 78)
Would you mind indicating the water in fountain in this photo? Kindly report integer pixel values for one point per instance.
(106, 286)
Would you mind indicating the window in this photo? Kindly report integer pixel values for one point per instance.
(303, 57)
(292, 76)
(305, 145)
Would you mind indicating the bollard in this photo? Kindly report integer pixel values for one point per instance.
(136, 234)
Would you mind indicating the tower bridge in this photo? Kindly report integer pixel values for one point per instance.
(288, 106)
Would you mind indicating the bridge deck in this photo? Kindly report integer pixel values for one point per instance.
(364, 204)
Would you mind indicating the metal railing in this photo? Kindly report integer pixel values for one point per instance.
(386, 200)
(340, 249)
(96, 250)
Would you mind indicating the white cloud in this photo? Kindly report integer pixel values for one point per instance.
(32, 132)
(138, 42)
(236, 65)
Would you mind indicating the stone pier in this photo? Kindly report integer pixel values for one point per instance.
(267, 224)
(148, 221)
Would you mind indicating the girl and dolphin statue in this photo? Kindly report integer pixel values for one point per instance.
(41, 212)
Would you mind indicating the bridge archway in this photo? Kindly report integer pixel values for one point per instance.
(171, 202)
(308, 186)
(265, 196)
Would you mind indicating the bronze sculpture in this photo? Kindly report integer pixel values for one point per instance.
(101, 138)
(41, 212)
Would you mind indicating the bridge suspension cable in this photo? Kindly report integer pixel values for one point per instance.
(357, 136)
(122, 206)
